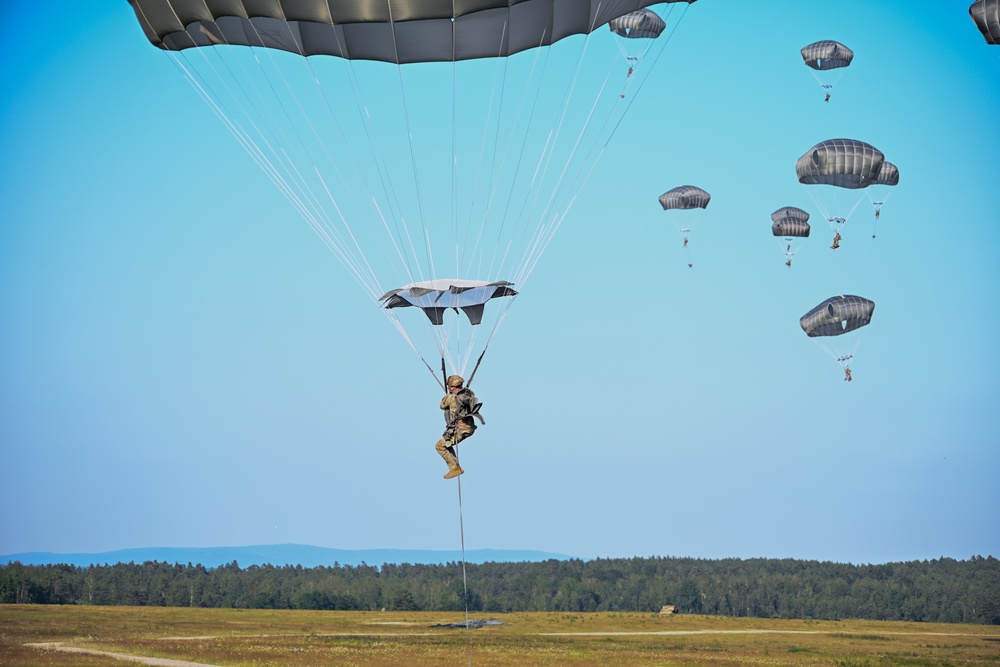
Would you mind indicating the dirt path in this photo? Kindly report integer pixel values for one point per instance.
(156, 662)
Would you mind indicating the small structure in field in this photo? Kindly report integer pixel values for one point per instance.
(668, 609)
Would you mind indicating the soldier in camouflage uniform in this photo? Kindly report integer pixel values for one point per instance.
(460, 411)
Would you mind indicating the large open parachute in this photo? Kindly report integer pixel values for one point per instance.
(842, 167)
(986, 14)
(431, 145)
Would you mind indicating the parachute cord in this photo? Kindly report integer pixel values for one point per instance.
(529, 263)
(399, 327)
(465, 582)
(284, 183)
(413, 155)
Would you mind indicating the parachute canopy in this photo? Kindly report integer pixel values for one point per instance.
(887, 175)
(436, 296)
(637, 25)
(790, 221)
(827, 54)
(986, 14)
(837, 315)
(684, 196)
(398, 31)
(845, 163)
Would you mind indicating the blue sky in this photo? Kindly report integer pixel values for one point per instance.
(184, 363)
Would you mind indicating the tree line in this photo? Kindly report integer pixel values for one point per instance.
(943, 590)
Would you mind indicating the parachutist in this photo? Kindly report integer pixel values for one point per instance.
(847, 375)
(827, 98)
(788, 263)
(630, 70)
(460, 409)
(685, 241)
(836, 242)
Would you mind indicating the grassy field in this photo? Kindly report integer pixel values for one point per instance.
(366, 639)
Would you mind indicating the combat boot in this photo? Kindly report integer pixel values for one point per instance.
(454, 472)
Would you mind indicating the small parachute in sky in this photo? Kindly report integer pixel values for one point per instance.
(641, 24)
(846, 164)
(833, 318)
(790, 223)
(878, 191)
(986, 14)
(434, 297)
(827, 55)
(684, 197)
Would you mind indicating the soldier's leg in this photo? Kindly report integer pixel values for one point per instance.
(447, 452)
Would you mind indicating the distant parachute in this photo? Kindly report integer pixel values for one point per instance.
(986, 14)
(641, 24)
(635, 29)
(827, 55)
(833, 318)
(887, 175)
(879, 190)
(790, 223)
(684, 197)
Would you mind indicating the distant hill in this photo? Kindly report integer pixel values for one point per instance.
(280, 554)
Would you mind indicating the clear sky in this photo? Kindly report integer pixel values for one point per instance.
(184, 363)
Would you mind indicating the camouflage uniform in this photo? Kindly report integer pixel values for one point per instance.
(460, 409)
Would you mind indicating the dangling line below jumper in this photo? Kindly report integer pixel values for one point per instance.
(465, 583)
(461, 531)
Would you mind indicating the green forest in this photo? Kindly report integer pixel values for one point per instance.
(944, 590)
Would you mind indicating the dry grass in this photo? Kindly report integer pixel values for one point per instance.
(369, 639)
